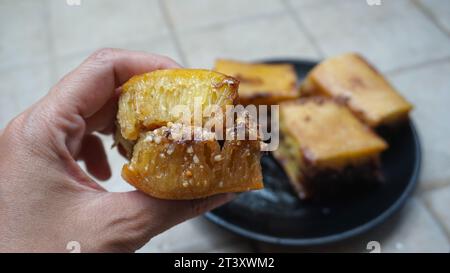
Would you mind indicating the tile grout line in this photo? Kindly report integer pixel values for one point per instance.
(430, 16)
(434, 188)
(301, 26)
(244, 20)
(172, 32)
(424, 64)
(435, 217)
(87, 52)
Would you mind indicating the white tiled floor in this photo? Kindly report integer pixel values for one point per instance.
(438, 11)
(161, 44)
(438, 201)
(412, 230)
(246, 41)
(204, 13)
(21, 87)
(23, 37)
(407, 39)
(428, 89)
(393, 36)
(103, 23)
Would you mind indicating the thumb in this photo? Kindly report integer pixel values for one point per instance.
(136, 217)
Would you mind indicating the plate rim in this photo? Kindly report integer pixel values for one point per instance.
(315, 241)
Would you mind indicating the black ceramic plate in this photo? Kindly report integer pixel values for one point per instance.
(276, 215)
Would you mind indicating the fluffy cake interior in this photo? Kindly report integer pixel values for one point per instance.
(149, 101)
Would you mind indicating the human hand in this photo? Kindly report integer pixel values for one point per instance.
(47, 200)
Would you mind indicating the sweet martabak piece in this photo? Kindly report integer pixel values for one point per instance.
(351, 79)
(171, 160)
(148, 100)
(261, 84)
(324, 146)
(166, 167)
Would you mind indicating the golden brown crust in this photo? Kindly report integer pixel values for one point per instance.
(321, 139)
(351, 79)
(323, 128)
(261, 84)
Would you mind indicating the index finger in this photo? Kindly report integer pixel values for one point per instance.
(89, 87)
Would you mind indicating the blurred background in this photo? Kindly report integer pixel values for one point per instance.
(408, 40)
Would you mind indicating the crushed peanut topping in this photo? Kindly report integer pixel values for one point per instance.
(170, 149)
(190, 150)
(196, 160)
(217, 157)
(149, 138)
